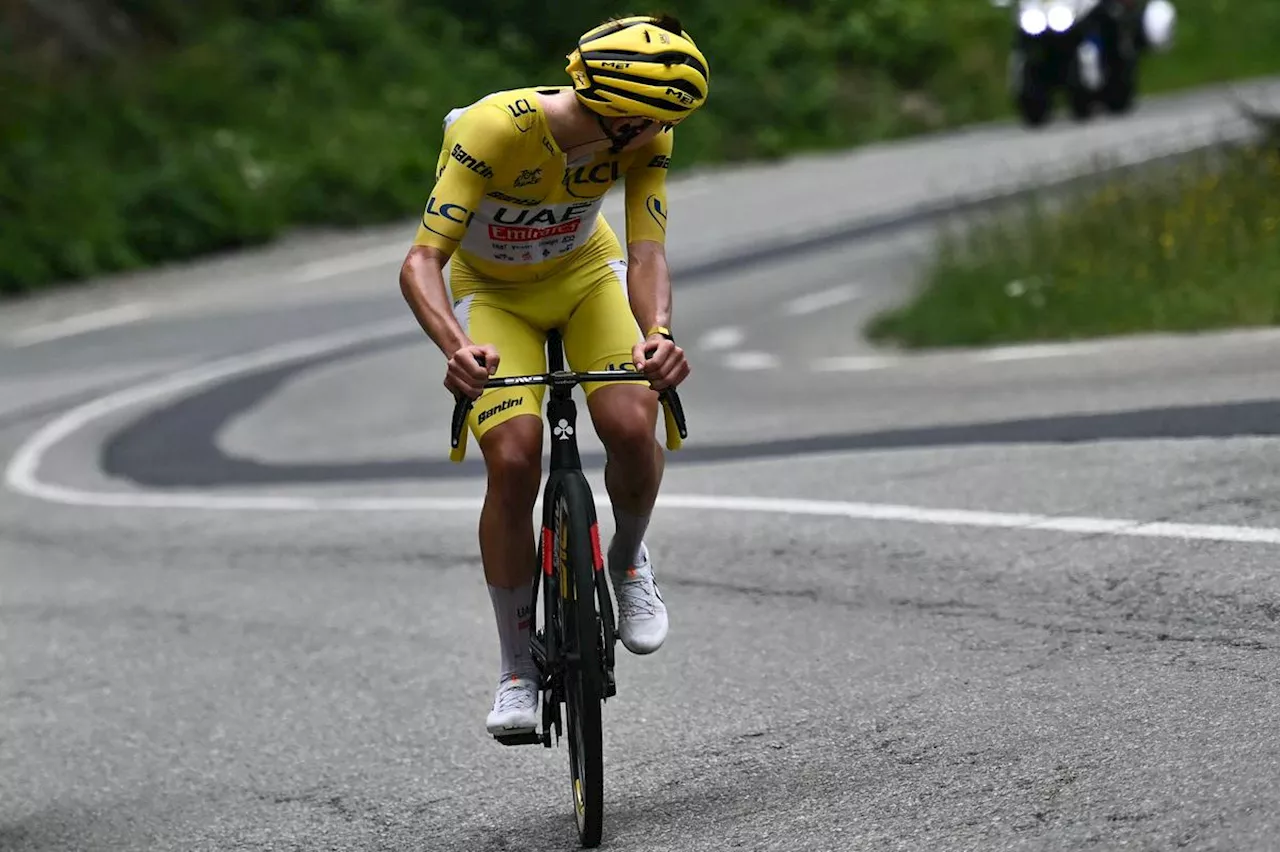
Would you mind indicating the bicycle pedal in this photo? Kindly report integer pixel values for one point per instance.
(526, 738)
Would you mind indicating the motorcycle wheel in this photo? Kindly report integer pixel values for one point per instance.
(1034, 99)
(1080, 101)
(1036, 108)
(1120, 93)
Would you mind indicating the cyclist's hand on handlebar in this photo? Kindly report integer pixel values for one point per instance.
(662, 362)
(466, 374)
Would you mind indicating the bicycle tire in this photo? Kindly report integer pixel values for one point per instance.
(577, 563)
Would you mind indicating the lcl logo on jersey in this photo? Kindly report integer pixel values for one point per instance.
(606, 172)
(452, 212)
(521, 107)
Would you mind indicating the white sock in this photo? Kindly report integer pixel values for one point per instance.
(513, 609)
(624, 550)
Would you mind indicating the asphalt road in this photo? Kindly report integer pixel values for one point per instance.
(993, 599)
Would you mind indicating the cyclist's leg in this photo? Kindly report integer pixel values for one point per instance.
(508, 428)
(599, 336)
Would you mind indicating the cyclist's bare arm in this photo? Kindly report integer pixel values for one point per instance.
(649, 290)
(458, 190)
(649, 284)
(422, 283)
(648, 280)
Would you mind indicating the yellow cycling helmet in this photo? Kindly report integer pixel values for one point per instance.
(639, 66)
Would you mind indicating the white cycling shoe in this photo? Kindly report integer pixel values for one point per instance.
(642, 616)
(515, 706)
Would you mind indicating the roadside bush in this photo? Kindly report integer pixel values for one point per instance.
(1192, 247)
(221, 123)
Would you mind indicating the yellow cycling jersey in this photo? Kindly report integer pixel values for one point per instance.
(510, 205)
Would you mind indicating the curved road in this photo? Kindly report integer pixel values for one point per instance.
(1021, 598)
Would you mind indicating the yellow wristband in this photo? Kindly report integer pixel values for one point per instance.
(660, 329)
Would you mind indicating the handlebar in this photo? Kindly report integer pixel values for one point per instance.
(672, 410)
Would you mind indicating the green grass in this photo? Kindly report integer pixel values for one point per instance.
(1217, 40)
(232, 121)
(1172, 248)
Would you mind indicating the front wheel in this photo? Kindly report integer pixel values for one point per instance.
(1033, 95)
(1035, 105)
(576, 563)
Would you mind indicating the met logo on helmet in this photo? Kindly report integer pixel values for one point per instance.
(683, 97)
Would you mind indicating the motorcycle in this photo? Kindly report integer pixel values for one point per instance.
(1089, 49)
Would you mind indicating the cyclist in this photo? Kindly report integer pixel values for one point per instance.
(515, 212)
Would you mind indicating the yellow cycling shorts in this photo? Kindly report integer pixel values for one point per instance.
(585, 298)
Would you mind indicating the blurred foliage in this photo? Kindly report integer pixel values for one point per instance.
(1169, 248)
(221, 123)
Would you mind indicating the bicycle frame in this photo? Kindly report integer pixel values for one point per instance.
(564, 671)
(562, 417)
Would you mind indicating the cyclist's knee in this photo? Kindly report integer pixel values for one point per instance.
(624, 419)
(513, 458)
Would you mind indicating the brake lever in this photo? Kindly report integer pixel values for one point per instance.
(461, 408)
(672, 411)
(671, 403)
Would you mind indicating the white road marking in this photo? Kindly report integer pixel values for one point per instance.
(854, 363)
(1044, 350)
(22, 473)
(820, 301)
(106, 318)
(383, 255)
(319, 270)
(727, 337)
(761, 505)
(36, 392)
(966, 518)
(750, 361)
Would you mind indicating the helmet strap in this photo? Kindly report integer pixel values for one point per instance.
(619, 140)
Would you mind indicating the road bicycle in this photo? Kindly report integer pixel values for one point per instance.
(574, 648)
